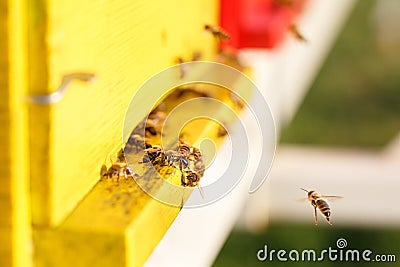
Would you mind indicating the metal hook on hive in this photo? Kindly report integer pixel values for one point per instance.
(58, 95)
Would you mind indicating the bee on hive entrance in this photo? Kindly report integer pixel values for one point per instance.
(151, 126)
(319, 201)
(138, 142)
(154, 122)
(154, 155)
(186, 158)
(117, 170)
(176, 159)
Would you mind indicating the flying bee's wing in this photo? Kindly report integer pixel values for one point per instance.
(332, 197)
(302, 199)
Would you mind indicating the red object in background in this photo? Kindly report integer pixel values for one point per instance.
(258, 23)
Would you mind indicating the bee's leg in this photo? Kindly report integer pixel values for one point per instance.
(180, 165)
(103, 171)
(315, 215)
(183, 180)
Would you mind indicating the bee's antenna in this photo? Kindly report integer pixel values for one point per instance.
(304, 189)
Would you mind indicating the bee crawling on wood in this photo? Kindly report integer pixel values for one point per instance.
(194, 155)
(191, 152)
(186, 158)
(154, 155)
(151, 126)
(176, 159)
(320, 202)
(154, 122)
(157, 117)
(138, 142)
(192, 179)
(119, 168)
(160, 158)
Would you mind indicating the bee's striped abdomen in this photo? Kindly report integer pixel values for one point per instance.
(323, 207)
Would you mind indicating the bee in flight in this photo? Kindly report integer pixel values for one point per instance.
(320, 201)
(217, 32)
(296, 33)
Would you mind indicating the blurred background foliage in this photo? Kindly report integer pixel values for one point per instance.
(241, 248)
(354, 102)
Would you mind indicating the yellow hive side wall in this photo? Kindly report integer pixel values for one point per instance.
(123, 43)
(15, 232)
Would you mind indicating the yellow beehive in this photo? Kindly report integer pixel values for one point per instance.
(51, 154)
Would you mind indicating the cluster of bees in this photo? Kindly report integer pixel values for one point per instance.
(185, 158)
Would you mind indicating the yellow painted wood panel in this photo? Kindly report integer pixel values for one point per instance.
(123, 43)
(15, 235)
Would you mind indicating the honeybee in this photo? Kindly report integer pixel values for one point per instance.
(158, 157)
(320, 201)
(151, 125)
(181, 158)
(237, 100)
(217, 32)
(154, 155)
(193, 179)
(117, 170)
(176, 159)
(189, 151)
(296, 33)
(221, 132)
(138, 142)
(157, 117)
(194, 155)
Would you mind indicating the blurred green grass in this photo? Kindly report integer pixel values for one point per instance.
(355, 100)
(241, 248)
